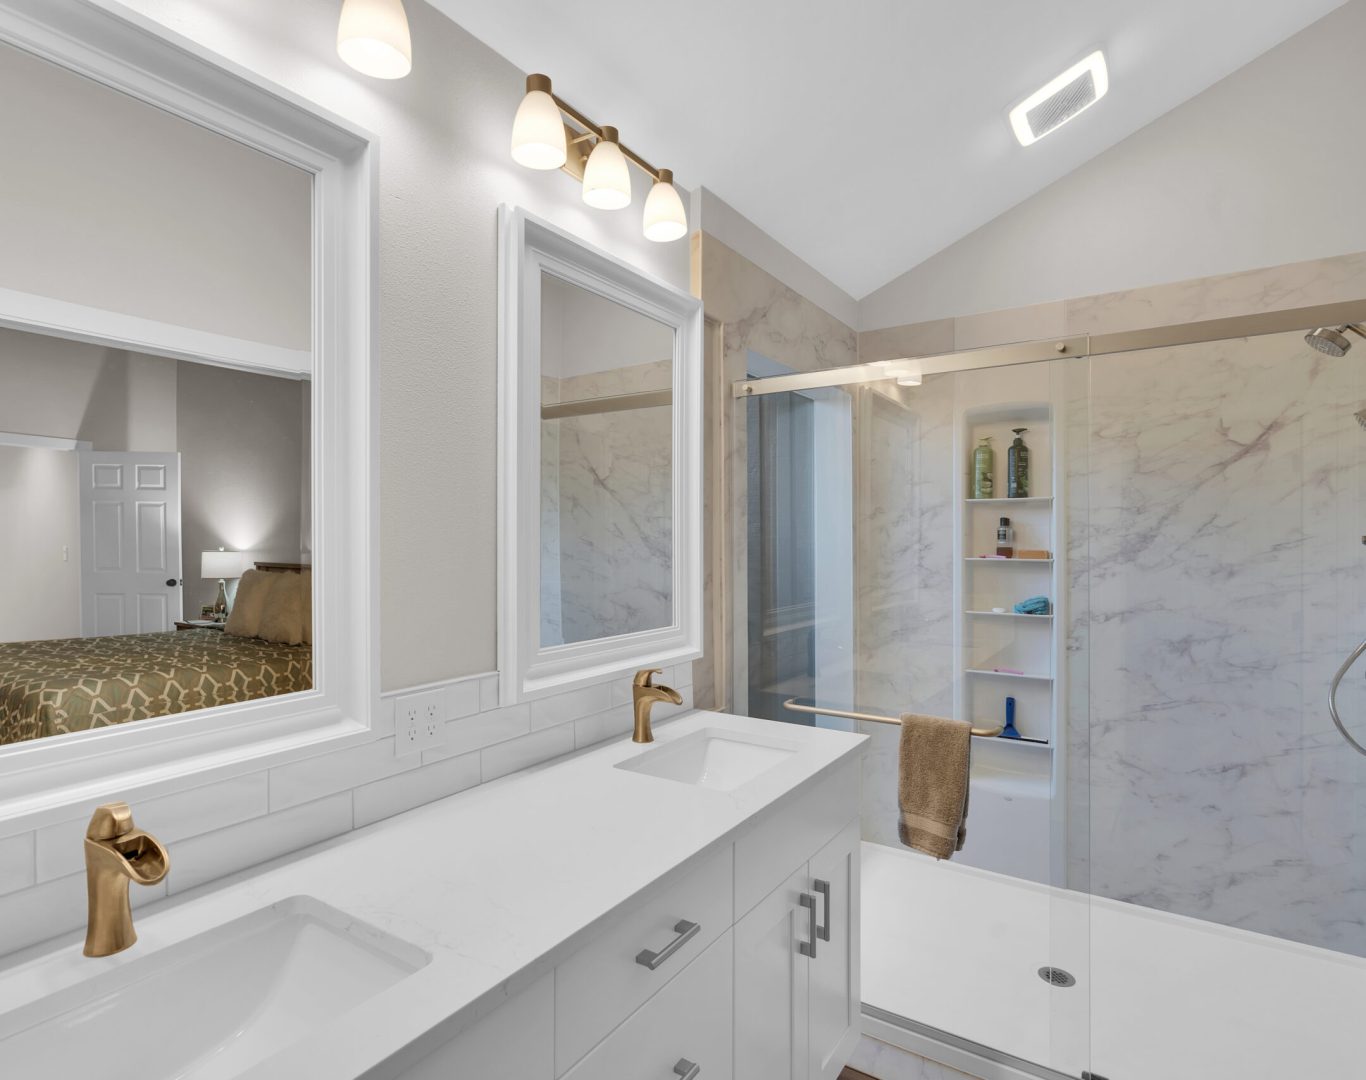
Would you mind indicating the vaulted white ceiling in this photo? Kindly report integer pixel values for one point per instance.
(865, 135)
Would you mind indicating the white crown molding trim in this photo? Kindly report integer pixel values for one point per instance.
(41, 442)
(50, 778)
(97, 326)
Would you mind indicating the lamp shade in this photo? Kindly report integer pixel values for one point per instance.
(665, 218)
(220, 564)
(538, 132)
(372, 36)
(606, 177)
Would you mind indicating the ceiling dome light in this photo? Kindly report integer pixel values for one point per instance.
(372, 37)
(909, 380)
(665, 218)
(538, 132)
(606, 179)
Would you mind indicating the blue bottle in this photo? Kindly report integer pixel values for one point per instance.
(1010, 731)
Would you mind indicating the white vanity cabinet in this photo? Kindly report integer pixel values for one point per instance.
(741, 966)
(796, 970)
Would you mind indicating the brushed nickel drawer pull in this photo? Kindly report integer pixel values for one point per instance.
(823, 887)
(685, 930)
(689, 1070)
(808, 947)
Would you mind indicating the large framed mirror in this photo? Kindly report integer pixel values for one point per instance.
(186, 405)
(600, 496)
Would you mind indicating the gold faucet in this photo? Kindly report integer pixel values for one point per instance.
(115, 854)
(644, 694)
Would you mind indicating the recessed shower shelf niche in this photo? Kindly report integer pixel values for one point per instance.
(1030, 397)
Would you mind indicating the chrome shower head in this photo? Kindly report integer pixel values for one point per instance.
(1333, 342)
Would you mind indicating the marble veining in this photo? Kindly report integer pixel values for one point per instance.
(1225, 570)
(607, 510)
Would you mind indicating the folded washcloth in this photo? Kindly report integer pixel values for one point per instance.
(1035, 605)
(932, 793)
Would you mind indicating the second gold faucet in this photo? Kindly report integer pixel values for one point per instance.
(644, 694)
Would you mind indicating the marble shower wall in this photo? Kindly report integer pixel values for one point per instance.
(607, 509)
(1223, 553)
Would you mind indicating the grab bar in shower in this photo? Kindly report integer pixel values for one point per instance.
(1333, 697)
(802, 706)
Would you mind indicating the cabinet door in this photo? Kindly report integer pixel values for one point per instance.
(771, 976)
(834, 981)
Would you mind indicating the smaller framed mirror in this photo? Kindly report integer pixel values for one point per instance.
(600, 465)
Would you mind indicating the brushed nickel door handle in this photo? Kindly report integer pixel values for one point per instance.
(823, 931)
(808, 947)
(685, 930)
(689, 1070)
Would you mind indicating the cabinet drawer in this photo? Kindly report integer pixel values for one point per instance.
(689, 1021)
(786, 837)
(602, 984)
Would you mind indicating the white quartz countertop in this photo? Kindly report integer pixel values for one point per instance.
(499, 884)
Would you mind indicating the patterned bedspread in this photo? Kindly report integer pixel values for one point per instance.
(74, 684)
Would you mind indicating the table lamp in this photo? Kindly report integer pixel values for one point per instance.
(222, 565)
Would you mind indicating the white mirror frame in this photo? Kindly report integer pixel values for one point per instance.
(42, 780)
(530, 247)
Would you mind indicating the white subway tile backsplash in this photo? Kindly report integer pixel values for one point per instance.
(462, 698)
(561, 708)
(616, 721)
(312, 778)
(488, 692)
(16, 863)
(395, 794)
(481, 730)
(237, 847)
(61, 847)
(526, 751)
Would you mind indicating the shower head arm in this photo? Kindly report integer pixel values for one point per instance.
(1357, 330)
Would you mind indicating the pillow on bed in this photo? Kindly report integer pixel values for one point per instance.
(283, 619)
(245, 618)
(307, 578)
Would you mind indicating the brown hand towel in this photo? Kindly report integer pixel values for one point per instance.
(932, 793)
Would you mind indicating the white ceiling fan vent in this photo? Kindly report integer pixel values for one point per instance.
(1067, 96)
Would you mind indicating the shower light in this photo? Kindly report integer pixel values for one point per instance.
(1060, 100)
(606, 178)
(909, 380)
(665, 218)
(538, 132)
(372, 36)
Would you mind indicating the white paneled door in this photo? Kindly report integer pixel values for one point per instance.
(130, 542)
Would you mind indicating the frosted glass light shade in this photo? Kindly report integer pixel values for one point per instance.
(538, 132)
(372, 36)
(606, 177)
(665, 218)
(220, 564)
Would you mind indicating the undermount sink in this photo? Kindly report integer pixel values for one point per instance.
(213, 1005)
(712, 758)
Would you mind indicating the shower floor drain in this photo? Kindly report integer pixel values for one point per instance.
(1055, 976)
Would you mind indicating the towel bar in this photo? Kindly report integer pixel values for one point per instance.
(796, 705)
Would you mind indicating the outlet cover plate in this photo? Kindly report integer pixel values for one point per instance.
(419, 722)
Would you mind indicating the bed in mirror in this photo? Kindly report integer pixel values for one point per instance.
(152, 494)
(600, 445)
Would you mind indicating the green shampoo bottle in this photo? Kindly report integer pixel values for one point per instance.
(1017, 467)
(983, 470)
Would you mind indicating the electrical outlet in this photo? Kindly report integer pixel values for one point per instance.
(419, 722)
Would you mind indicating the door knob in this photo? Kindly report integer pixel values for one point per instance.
(172, 582)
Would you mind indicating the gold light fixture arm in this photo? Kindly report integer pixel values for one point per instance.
(594, 131)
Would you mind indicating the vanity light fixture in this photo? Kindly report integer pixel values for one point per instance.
(665, 218)
(606, 177)
(594, 155)
(538, 133)
(1061, 99)
(372, 36)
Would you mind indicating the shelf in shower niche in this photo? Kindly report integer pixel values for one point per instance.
(1004, 562)
(1009, 615)
(1008, 675)
(1037, 500)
